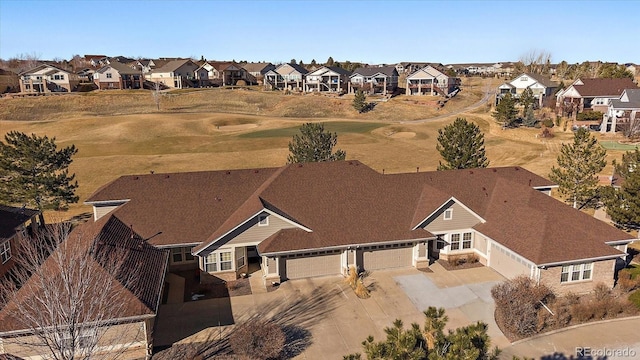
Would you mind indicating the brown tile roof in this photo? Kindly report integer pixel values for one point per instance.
(139, 274)
(604, 87)
(12, 217)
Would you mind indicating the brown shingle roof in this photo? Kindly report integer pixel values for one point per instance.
(12, 217)
(604, 87)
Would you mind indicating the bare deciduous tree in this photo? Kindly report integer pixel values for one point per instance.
(536, 61)
(64, 295)
(157, 95)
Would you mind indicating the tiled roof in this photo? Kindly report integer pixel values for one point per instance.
(603, 87)
(11, 218)
(138, 275)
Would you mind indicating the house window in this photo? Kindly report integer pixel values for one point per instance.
(240, 258)
(109, 75)
(524, 78)
(225, 261)
(461, 241)
(455, 241)
(263, 220)
(58, 77)
(5, 251)
(448, 214)
(576, 272)
(84, 339)
(466, 240)
(181, 254)
(211, 262)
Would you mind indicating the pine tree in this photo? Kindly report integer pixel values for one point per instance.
(578, 166)
(35, 172)
(293, 61)
(360, 101)
(461, 145)
(506, 112)
(314, 145)
(330, 61)
(526, 100)
(623, 204)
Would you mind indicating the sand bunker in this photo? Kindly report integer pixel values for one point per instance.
(236, 127)
(403, 135)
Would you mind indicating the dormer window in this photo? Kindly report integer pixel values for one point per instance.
(263, 220)
(448, 214)
(524, 78)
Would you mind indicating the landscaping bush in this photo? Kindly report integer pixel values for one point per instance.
(627, 281)
(635, 298)
(548, 123)
(589, 116)
(258, 339)
(517, 304)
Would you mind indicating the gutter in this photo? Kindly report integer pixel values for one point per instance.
(101, 324)
(542, 266)
(105, 202)
(347, 246)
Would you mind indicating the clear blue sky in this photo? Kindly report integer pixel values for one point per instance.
(367, 31)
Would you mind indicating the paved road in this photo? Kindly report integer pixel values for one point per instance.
(617, 339)
(488, 94)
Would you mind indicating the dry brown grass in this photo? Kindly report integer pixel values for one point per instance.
(119, 133)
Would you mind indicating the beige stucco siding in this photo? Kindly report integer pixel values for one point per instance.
(128, 340)
(603, 272)
(461, 219)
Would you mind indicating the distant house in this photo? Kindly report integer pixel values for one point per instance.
(327, 79)
(96, 60)
(622, 113)
(541, 87)
(222, 73)
(430, 81)
(176, 74)
(145, 65)
(374, 80)
(285, 76)
(118, 76)
(258, 69)
(591, 94)
(48, 78)
(13, 222)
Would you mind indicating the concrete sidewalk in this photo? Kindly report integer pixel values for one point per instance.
(611, 335)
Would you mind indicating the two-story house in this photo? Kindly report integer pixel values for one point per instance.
(430, 81)
(47, 78)
(285, 76)
(14, 222)
(623, 114)
(175, 74)
(327, 79)
(541, 87)
(118, 76)
(374, 80)
(591, 94)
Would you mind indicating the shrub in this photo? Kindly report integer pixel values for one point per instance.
(517, 304)
(626, 281)
(258, 339)
(589, 116)
(548, 123)
(352, 279)
(361, 291)
(635, 298)
(241, 83)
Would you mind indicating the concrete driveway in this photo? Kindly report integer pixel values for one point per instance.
(327, 320)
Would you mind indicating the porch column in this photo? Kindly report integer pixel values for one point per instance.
(355, 258)
(384, 92)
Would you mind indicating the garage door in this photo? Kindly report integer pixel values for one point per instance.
(312, 264)
(387, 256)
(507, 263)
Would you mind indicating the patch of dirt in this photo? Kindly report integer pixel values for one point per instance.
(236, 127)
(467, 265)
(403, 135)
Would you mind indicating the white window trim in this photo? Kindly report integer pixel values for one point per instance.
(217, 257)
(263, 220)
(184, 252)
(447, 214)
(5, 251)
(580, 269)
(449, 239)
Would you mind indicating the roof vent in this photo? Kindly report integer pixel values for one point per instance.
(228, 172)
(152, 172)
(417, 169)
(166, 176)
(470, 171)
(299, 165)
(517, 168)
(136, 177)
(256, 171)
(382, 171)
(494, 170)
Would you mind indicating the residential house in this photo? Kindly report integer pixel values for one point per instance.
(146, 65)
(622, 114)
(327, 79)
(96, 60)
(258, 69)
(220, 73)
(118, 76)
(430, 81)
(175, 74)
(296, 224)
(591, 94)
(48, 78)
(541, 87)
(13, 223)
(285, 76)
(374, 80)
(136, 282)
(410, 67)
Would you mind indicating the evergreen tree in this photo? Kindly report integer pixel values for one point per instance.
(313, 62)
(330, 61)
(360, 101)
(293, 61)
(578, 166)
(529, 118)
(526, 100)
(35, 172)
(623, 204)
(506, 112)
(314, 145)
(461, 145)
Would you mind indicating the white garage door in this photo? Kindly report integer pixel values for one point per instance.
(507, 263)
(387, 256)
(312, 264)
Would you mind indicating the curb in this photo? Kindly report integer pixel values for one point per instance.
(552, 332)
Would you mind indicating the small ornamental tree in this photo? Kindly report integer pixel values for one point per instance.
(461, 145)
(258, 339)
(35, 172)
(526, 100)
(314, 145)
(578, 166)
(506, 112)
(623, 204)
(360, 101)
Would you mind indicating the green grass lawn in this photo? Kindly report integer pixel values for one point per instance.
(614, 145)
(634, 269)
(338, 127)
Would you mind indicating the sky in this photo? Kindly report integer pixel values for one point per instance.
(372, 32)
